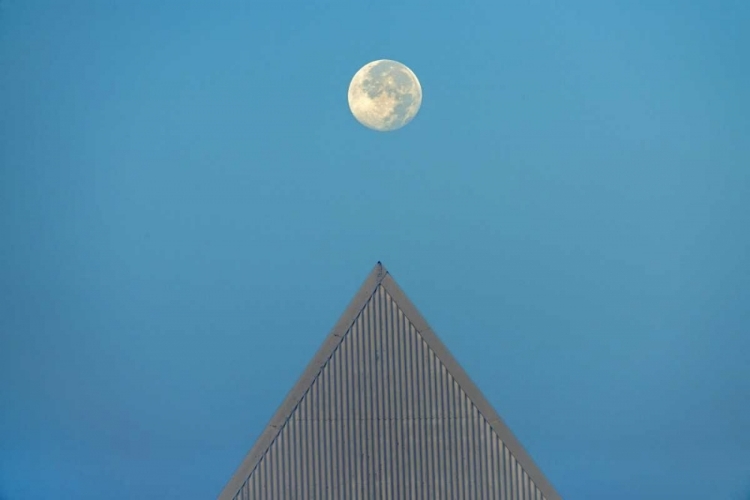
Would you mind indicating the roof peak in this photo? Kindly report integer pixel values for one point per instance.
(380, 270)
(383, 363)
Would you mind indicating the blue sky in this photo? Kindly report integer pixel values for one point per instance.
(187, 206)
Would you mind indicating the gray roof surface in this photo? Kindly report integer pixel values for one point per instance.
(384, 411)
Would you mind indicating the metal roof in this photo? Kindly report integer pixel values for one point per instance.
(384, 411)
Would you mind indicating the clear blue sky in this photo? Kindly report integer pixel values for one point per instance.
(187, 206)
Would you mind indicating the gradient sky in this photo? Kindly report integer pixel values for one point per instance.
(187, 206)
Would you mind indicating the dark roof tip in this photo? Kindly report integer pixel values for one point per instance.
(380, 271)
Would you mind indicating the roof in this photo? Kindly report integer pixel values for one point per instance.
(383, 410)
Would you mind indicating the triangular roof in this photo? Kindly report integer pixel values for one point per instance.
(383, 410)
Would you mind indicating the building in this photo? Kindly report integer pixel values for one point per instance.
(384, 411)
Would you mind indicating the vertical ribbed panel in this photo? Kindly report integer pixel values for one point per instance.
(384, 419)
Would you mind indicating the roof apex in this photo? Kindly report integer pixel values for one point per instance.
(378, 277)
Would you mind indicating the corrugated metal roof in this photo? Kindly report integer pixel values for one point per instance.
(384, 411)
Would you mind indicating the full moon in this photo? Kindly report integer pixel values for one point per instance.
(384, 95)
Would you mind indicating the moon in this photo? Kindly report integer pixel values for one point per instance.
(384, 95)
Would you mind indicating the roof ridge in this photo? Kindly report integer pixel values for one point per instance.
(380, 279)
